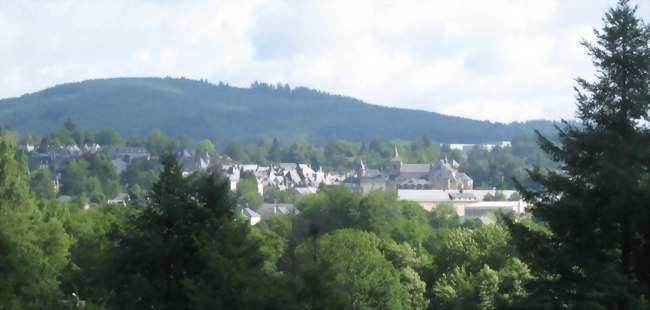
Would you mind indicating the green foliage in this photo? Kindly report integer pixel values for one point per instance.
(486, 289)
(247, 191)
(364, 278)
(95, 232)
(41, 184)
(136, 106)
(237, 152)
(157, 143)
(252, 199)
(207, 147)
(497, 196)
(377, 213)
(289, 195)
(596, 207)
(187, 249)
(33, 247)
(340, 154)
(478, 270)
(91, 175)
(108, 136)
(141, 172)
(412, 225)
(444, 215)
(496, 168)
(272, 235)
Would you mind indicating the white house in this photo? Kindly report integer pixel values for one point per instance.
(250, 215)
(121, 198)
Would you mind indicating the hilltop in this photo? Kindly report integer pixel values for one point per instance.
(199, 109)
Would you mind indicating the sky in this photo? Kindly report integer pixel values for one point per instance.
(498, 60)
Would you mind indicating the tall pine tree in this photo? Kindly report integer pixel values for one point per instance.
(597, 204)
(188, 249)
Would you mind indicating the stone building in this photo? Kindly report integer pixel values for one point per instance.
(395, 175)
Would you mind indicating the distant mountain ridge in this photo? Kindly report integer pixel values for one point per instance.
(224, 113)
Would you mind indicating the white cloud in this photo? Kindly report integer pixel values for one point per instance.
(499, 60)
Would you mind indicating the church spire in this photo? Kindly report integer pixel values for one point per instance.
(362, 169)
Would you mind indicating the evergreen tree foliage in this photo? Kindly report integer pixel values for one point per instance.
(187, 249)
(596, 205)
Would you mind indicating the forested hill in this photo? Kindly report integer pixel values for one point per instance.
(204, 110)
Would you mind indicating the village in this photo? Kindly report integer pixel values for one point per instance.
(429, 185)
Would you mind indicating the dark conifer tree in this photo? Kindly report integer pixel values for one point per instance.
(597, 204)
(188, 249)
(275, 153)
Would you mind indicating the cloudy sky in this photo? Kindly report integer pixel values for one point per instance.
(501, 60)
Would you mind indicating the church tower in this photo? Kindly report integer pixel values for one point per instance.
(394, 166)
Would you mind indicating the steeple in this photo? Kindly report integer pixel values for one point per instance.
(394, 165)
(362, 169)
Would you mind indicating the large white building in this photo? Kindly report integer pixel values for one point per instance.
(468, 203)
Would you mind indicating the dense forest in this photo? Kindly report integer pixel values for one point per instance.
(583, 245)
(201, 110)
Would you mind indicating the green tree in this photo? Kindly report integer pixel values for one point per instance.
(253, 199)
(142, 172)
(207, 147)
(339, 153)
(33, 248)
(108, 136)
(274, 194)
(377, 213)
(95, 232)
(596, 205)
(88, 175)
(275, 152)
(44, 147)
(412, 225)
(477, 270)
(364, 278)
(444, 215)
(41, 184)
(187, 249)
(157, 143)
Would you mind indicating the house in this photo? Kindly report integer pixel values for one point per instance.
(121, 198)
(91, 148)
(270, 209)
(128, 154)
(26, 147)
(37, 161)
(373, 183)
(251, 216)
(190, 163)
(304, 178)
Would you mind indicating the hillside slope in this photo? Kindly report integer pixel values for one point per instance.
(221, 112)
